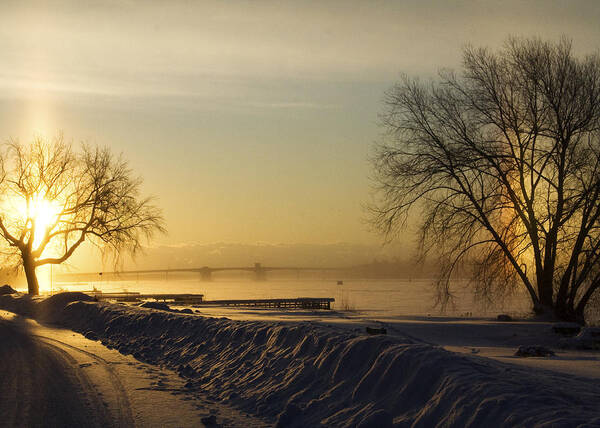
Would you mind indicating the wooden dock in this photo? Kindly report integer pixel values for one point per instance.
(298, 303)
(174, 299)
(198, 299)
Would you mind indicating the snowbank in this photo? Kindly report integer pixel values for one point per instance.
(300, 374)
(588, 338)
(7, 289)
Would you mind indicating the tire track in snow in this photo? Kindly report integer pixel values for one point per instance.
(41, 386)
(122, 405)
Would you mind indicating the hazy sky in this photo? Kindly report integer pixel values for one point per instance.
(250, 121)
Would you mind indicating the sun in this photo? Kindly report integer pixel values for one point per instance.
(45, 213)
(42, 212)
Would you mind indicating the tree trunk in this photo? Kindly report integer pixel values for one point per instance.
(543, 310)
(545, 305)
(33, 286)
(567, 312)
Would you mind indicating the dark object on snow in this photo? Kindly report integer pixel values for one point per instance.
(340, 283)
(186, 371)
(209, 420)
(191, 385)
(91, 335)
(7, 289)
(373, 330)
(566, 328)
(504, 317)
(534, 351)
(155, 305)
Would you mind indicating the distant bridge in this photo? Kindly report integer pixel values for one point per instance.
(260, 271)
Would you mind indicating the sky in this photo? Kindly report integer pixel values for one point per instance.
(251, 122)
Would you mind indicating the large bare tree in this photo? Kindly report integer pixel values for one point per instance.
(53, 198)
(501, 162)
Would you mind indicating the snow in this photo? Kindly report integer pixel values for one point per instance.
(588, 338)
(134, 393)
(6, 289)
(304, 373)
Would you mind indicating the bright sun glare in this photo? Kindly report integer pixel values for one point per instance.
(43, 211)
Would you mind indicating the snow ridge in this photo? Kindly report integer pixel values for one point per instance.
(301, 374)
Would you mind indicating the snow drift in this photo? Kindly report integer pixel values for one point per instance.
(7, 289)
(302, 374)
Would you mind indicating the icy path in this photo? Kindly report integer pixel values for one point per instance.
(54, 377)
(42, 386)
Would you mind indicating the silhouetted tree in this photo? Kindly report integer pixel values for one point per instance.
(502, 163)
(53, 198)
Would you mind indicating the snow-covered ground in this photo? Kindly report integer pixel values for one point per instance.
(54, 377)
(329, 372)
(475, 336)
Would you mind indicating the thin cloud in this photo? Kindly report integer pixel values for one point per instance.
(292, 105)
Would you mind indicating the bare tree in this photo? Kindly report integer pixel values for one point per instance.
(503, 164)
(53, 198)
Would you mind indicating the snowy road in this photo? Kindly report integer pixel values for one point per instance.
(45, 385)
(52, 377)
